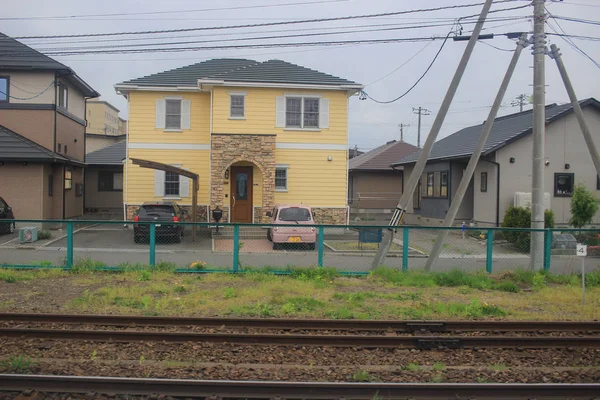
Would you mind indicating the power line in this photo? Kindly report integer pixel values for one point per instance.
(304, 21)
(28, 98)
(495, 47)
(401, 65)
(418, 80)
(569, 40)
(170, 12)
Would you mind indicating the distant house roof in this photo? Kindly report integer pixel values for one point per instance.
(354, 153)
(106, 103)
(506, 130)
(14, 147)
(111, 155)
(381, 157)
(17, 56)
(239, 70)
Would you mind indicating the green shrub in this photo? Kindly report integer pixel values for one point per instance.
(583, 206)
(520, 217)
(17, 365)
(507, 286)
(44, 235)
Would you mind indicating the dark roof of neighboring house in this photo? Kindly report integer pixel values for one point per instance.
(14, 147)
(354, 153)
(17, 56)
(382, 157)
(111, 155)
(506, 130)
(239, 70)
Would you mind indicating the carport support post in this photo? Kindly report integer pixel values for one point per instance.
(152, 244)
(413, 179)
(69, 244)
(321, 241)
(474, 160)
(236, 247)
(405, 249)
(490, 251)
(547, 249)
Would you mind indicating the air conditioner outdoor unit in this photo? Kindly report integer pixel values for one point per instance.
(28, 234)
(523, 199)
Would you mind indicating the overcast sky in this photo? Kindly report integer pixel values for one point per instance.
(371, 124)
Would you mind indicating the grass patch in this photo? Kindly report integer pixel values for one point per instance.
(362, 376)
(299, 305)
(412, 367)
(341, 245)
(497, 367)
(229, 293)
(17, 364)
(438, 366)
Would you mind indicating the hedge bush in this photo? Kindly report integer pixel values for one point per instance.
(520, 217)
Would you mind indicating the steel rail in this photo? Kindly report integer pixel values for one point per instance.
(368, 341)
(310, 324)
(306, 390)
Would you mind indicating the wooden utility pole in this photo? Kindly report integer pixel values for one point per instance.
(402, 131)
(520, 101)
(420, 111)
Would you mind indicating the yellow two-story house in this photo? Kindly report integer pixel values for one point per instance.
(256, 133)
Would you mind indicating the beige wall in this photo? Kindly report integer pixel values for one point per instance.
(57, 198)
(484, 208)
(564, 145)
(94, 143)
(75, 100)
(74, 203)
(21, 186)
(27, 84)
(465, 211)
(375, 189)
(99, 116)
(97, 199)
(67, 131)
(36, 125)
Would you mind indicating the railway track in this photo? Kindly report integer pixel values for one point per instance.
(288, 390)
(390, 335)
(311, 324)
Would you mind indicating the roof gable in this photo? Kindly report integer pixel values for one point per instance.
(239, 70)
(506, 129)
(381, 157)
(16, 55)
(110, 155)
(14, 147)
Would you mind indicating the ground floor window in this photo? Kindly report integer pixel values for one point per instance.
(110, 181)
(430, 184)
(68, 179)
(563, 184)
(171, 184)
(484, 181)
(281, 178)
(444, 184)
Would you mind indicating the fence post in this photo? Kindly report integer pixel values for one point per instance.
(321, 241)
(490, 250)
(236, 247)
(405, 249)
(152, 244)
(547, 249)
(69, 244)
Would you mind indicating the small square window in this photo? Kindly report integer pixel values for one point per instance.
(563, 184)
(173, 114)
(237, 106)
(59, 147)
(4, 88)
(484, 182)
(281, 178)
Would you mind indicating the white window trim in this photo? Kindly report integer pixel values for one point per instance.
(301, 127)
(237, 117)
(172, 130)
(173, 98)
(286, 167)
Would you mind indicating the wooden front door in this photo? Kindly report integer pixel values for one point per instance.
(241, 194)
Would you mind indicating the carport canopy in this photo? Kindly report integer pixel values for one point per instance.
(180, 171)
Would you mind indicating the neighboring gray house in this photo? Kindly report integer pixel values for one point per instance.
(505, 167)
(104, 181)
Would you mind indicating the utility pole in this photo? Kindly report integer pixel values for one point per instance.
(413, 179)
(402, 131)
(468, 174)
(520, 101)
(420, 111)
(539, 133)
(555, 54)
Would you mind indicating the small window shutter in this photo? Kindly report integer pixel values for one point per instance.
(185, 114)
(280, 117)
(324, 113)
(184, 185)
(159, 183)
(161, 111)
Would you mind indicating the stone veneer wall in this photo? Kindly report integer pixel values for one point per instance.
(227, 150)
(331, 216)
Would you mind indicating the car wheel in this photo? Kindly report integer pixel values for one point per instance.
(269, 235)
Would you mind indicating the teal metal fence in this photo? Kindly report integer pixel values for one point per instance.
(202, 247)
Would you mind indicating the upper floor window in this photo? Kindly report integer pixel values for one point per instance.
(173, 113)
(4, 88)
(299, 112)
(237, 106)
(63, 95)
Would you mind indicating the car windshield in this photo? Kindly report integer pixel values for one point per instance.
(156, 209)
(294, 214)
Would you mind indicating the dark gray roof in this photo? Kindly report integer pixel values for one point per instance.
(506, 129)
(381, 158)
(14, 147)
(239, 70)
(15, 55)
(111, 155)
